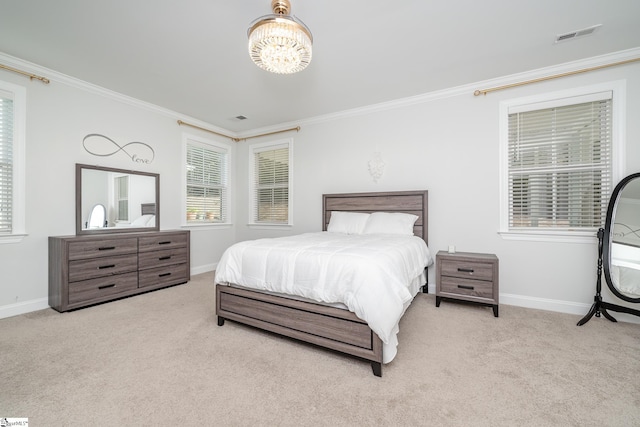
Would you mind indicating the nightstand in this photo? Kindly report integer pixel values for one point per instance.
(467, 276)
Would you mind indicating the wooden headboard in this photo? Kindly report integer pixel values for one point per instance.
(413, 202)
(148, 208)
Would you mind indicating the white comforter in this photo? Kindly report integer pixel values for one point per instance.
(373, 275)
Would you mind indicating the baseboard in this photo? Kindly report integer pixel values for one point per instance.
(537, 303)
(11, 310)
(559, 306)
(568, 307)
(203, 269)
(544, 304)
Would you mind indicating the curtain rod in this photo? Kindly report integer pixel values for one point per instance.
(24, 73)
(180, 122)
(555, 76)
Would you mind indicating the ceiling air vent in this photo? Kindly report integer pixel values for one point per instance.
(578, 33)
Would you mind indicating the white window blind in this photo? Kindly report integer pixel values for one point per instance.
(122, 198)
(271, 184)
(206, 183)
(560, 164)
(6, 162)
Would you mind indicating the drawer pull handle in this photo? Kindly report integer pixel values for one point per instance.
(165, 243)
(113, 285)
(106, 266)
(465, 287)
(163, 258)
(164, 274)
(465, 270)
(106, 248)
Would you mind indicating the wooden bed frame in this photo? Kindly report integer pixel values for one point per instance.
(328, 327)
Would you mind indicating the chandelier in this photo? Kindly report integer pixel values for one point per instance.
(280, 43)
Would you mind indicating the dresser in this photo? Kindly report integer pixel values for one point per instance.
(92, 269)
(468, 276)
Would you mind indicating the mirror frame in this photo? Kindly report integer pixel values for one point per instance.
(608, 234)
(80, 219)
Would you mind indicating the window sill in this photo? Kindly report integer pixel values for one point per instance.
(12, 238)
(270, 226)
(207, 225)
(551, 236)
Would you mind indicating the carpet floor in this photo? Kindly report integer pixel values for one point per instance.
(160, 359)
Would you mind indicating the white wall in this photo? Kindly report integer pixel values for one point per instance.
(59, 116)
(446, 143)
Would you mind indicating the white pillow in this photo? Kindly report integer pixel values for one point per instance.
(347, 222)
(142, 221)
(390, 223)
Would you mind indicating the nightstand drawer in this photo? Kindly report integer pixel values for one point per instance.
(467, 287)
(467, 269)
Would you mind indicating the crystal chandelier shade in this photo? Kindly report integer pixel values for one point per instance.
(280, 43)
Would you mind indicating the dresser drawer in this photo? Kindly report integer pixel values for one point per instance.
(162, 241)
(100, 267)
(102, 248)
(95, 289)
(162, 258)
(171, 274)
(467, 269)
(466, 287)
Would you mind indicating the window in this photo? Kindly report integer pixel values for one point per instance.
(207, 182)
(558, 164)
(270, 181)
(122, 197)
(12, 174)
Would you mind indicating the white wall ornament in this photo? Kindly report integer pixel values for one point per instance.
(376, 166)
(103, 146)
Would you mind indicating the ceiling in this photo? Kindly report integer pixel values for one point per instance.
(191, 57)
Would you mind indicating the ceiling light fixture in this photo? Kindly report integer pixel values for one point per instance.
(280, 43)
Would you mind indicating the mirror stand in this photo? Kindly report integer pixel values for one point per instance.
(600, 306)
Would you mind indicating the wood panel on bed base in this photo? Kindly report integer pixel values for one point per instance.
(327, 327)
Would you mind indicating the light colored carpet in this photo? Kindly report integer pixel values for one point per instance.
(160, 359)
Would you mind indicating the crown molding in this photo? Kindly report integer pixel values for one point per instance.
(57, 77)
(467, 89)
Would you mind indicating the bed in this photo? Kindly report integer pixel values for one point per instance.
(146, 219)
(331, 324)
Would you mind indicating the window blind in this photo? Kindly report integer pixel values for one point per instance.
(206, 183)
(122, 198)
(560, 165)
(271, 185)
(6, 162)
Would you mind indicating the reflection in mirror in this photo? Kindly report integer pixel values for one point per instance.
(129, 200)
(625, 241)
(97, 218)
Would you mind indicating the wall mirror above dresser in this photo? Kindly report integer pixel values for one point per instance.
(124, 200)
